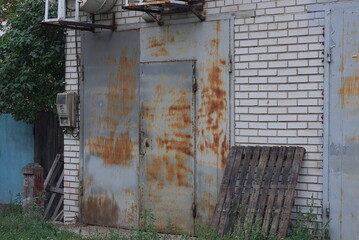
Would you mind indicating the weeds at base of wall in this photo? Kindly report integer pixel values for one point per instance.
(15, 225)
(307, 227)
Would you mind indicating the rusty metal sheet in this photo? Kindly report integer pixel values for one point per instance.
(110, 129)
(167, 143)
(209, 44)
(343, 127)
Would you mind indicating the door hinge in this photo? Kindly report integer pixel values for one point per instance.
(230, 63)
(81, 190)
(194, 87)
(194, 210)
(329, 57)
(329, 53)
(82, 73)
(327, 210)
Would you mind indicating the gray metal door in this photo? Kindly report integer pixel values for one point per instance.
(209, 44)
(167, 143)
(343, 128)
(178, 163)
(110, 110)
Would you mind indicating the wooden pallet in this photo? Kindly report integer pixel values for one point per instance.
(54, 186)
(258, 186)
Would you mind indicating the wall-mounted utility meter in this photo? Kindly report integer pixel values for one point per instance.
(66, 108)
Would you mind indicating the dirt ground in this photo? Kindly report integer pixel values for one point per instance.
(89, 230)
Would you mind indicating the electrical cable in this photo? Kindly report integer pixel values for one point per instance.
(76, 135)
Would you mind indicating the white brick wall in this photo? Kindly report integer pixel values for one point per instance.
(279, 75)
(278, 86)
(71, 143)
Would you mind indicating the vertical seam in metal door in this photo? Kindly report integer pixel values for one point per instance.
(194, 130)
(231, 84)
(326, 115)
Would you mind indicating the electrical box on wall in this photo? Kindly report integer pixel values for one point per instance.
(66, 104)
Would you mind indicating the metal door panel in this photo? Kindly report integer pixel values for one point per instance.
(110, 129)
(343, 123)
(167, 143)
(208, 43)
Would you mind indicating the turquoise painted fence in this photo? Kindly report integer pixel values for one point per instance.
(16, 150)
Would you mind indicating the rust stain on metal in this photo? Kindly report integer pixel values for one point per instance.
(349, 89)
(160, 52)
(214, 104)
(214, 109)
(154, 196)
(113, 150)
(111, 60)
(178, 145)
(155, 42)
(117, 148)
(352, 139)
(131, 212)
(170, 165)
(208, 203)
(100, 210)
(158, 44)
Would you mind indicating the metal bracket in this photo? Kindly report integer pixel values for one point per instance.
(80, 25)
(198, 14)
(159, 22)
(163, 7)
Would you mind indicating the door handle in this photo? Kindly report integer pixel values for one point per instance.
(145, 144)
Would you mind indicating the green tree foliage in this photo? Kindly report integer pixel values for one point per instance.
(6, 7)
(31, 60)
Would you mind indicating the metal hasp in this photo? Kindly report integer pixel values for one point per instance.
(73, 23)
(165, 7)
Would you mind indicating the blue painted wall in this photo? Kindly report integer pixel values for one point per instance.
(16, 150)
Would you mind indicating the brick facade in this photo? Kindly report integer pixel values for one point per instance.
(278, 86)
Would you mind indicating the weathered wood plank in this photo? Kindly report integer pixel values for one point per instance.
(260, 188)
(289, 195)
(56, 167)
(225, 222)
(266, 182)
(282, 187)
(59, 204)
(49, 205)
(51, 176)
(243, 206)
(224, 187)
(245, 180)
(234, 203)
(273, 189)
(256, 184)
(49, 139)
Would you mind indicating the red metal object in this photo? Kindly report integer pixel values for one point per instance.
(33, 185)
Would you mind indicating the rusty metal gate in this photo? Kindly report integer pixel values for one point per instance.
(156, 132)
(342, 123)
